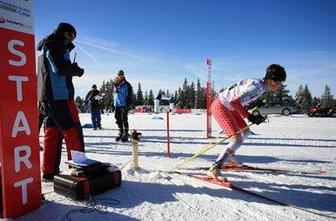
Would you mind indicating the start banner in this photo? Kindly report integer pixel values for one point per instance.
(19, 145)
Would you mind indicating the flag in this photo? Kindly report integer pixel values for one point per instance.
(208, 62)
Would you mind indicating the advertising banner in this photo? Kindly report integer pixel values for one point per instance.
(19, 145)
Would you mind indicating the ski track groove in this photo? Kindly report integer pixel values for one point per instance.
(295, 209)
(147, 215)
(200, 201)
(280, 215)
(234, 213)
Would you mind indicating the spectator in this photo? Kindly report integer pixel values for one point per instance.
(93, 98)
(122, 103)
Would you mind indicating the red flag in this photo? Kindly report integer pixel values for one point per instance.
(209, 62)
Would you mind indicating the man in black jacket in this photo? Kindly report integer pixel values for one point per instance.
(93, 98)
(56, 92)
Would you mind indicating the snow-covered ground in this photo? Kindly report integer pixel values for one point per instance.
(296, 143)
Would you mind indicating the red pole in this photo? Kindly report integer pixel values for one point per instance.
(208, 101)
(168, 142)
(208, 98)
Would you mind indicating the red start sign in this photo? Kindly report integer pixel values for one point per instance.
(19, 146)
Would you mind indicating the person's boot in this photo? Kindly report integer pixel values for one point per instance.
(215, 172)
(124, 137)
(234, 163)
(118, 138)
(48, 177)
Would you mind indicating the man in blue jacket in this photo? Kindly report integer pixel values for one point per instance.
(122, 102)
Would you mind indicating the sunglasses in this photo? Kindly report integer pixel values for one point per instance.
(71, 36)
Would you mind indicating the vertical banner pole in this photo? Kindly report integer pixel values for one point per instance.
(19, 145)
(208, 99)
(168, 138)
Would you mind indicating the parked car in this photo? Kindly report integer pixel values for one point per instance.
(277, 108)
(318, 111)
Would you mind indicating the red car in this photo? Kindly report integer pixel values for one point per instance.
(318, 111)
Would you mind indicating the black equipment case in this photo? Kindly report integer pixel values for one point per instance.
(82, 186)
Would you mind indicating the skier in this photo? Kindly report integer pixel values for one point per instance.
(228, 110)
(94, 102)
(122, 101)
(56, 92)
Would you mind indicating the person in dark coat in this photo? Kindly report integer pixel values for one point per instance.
(93, 99)
(56, 93)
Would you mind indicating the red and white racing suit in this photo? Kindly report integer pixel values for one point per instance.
(228, 110)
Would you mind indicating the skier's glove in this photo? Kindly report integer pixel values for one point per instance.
(256, 119)
(260, 103)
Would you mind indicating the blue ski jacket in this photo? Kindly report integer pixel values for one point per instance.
(123, 95)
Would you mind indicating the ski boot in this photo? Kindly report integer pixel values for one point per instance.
(234, 163)
(215, 172)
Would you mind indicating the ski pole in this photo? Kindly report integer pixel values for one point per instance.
(206, 148)
(214, 140)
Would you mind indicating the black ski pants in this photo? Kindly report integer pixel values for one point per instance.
(121, 116)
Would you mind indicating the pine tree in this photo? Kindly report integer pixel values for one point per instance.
(192, 95)
(107, 89)
(151, 98)
(327, 99)
(198, 94)
(134, 103)
(139, 96)
(282, 95)
(203, 98)
(316, 101)
(308, 98)
(179, 99)
(103, 89)
(299, 98)
(146, 98)
(303, 98)
(183, 95)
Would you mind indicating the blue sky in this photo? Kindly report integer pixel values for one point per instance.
(160, 42)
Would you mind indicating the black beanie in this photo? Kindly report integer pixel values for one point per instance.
(275, 72)
(65, 27)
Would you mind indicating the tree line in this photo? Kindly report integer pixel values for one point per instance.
(193, 95)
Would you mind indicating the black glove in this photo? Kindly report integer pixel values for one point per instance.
(256, 119)
(76, 70)
(260, 103)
